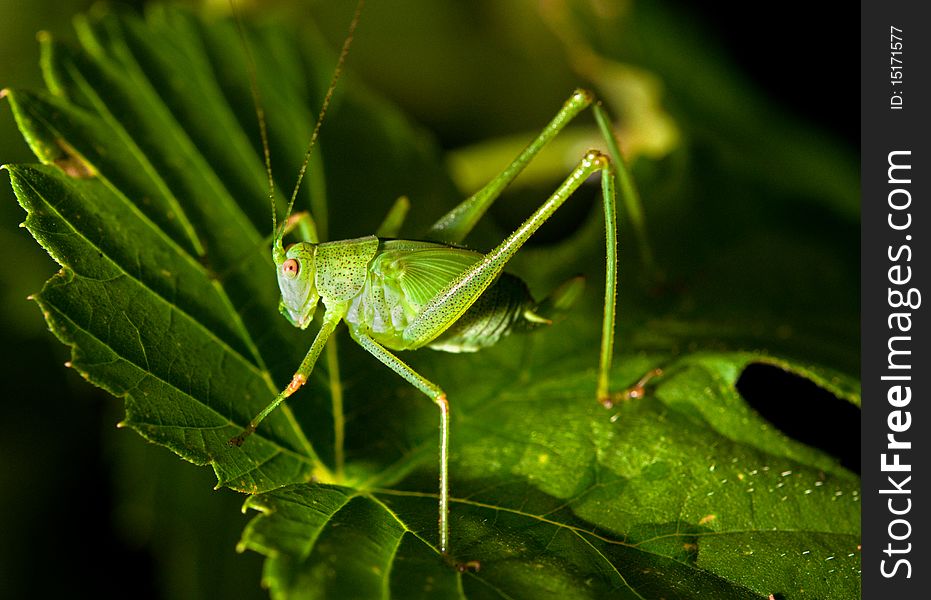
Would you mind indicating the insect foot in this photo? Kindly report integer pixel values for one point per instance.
(634, 392)
(469, 566)
(297, 381)
(239, 439)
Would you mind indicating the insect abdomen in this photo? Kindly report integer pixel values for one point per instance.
(499, 311)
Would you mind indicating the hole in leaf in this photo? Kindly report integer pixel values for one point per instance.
(804, 411)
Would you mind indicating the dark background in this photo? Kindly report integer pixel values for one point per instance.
(66, 522)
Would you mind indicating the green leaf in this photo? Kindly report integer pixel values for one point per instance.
(687, 494)
(152, 198)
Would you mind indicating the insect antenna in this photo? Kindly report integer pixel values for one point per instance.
(263, 128)
(259, 111)
(344, 52)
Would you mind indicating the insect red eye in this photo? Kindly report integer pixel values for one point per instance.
(290, 268)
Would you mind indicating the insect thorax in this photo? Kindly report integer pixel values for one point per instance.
(405, 275)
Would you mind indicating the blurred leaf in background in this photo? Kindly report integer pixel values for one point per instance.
(753, 214)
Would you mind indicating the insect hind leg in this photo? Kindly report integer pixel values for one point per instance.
(455, 225)
(456, 298)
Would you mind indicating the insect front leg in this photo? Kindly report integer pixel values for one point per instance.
(330, 319)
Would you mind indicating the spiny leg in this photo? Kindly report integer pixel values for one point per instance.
(330, 320)
(438, 396)
(625, 183)
(456, 298)
(456, 224)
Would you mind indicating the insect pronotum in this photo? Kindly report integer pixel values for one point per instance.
(400, 294)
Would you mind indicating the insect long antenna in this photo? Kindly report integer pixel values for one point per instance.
(326, 103)
(260, 115)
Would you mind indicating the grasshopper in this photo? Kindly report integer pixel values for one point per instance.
(406, 294)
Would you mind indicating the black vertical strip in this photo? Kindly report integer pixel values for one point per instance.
(896, 223)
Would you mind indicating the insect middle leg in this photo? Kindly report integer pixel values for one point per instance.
(330, 320)
(438, 396)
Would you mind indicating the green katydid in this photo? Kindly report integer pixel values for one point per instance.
(400, 294)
